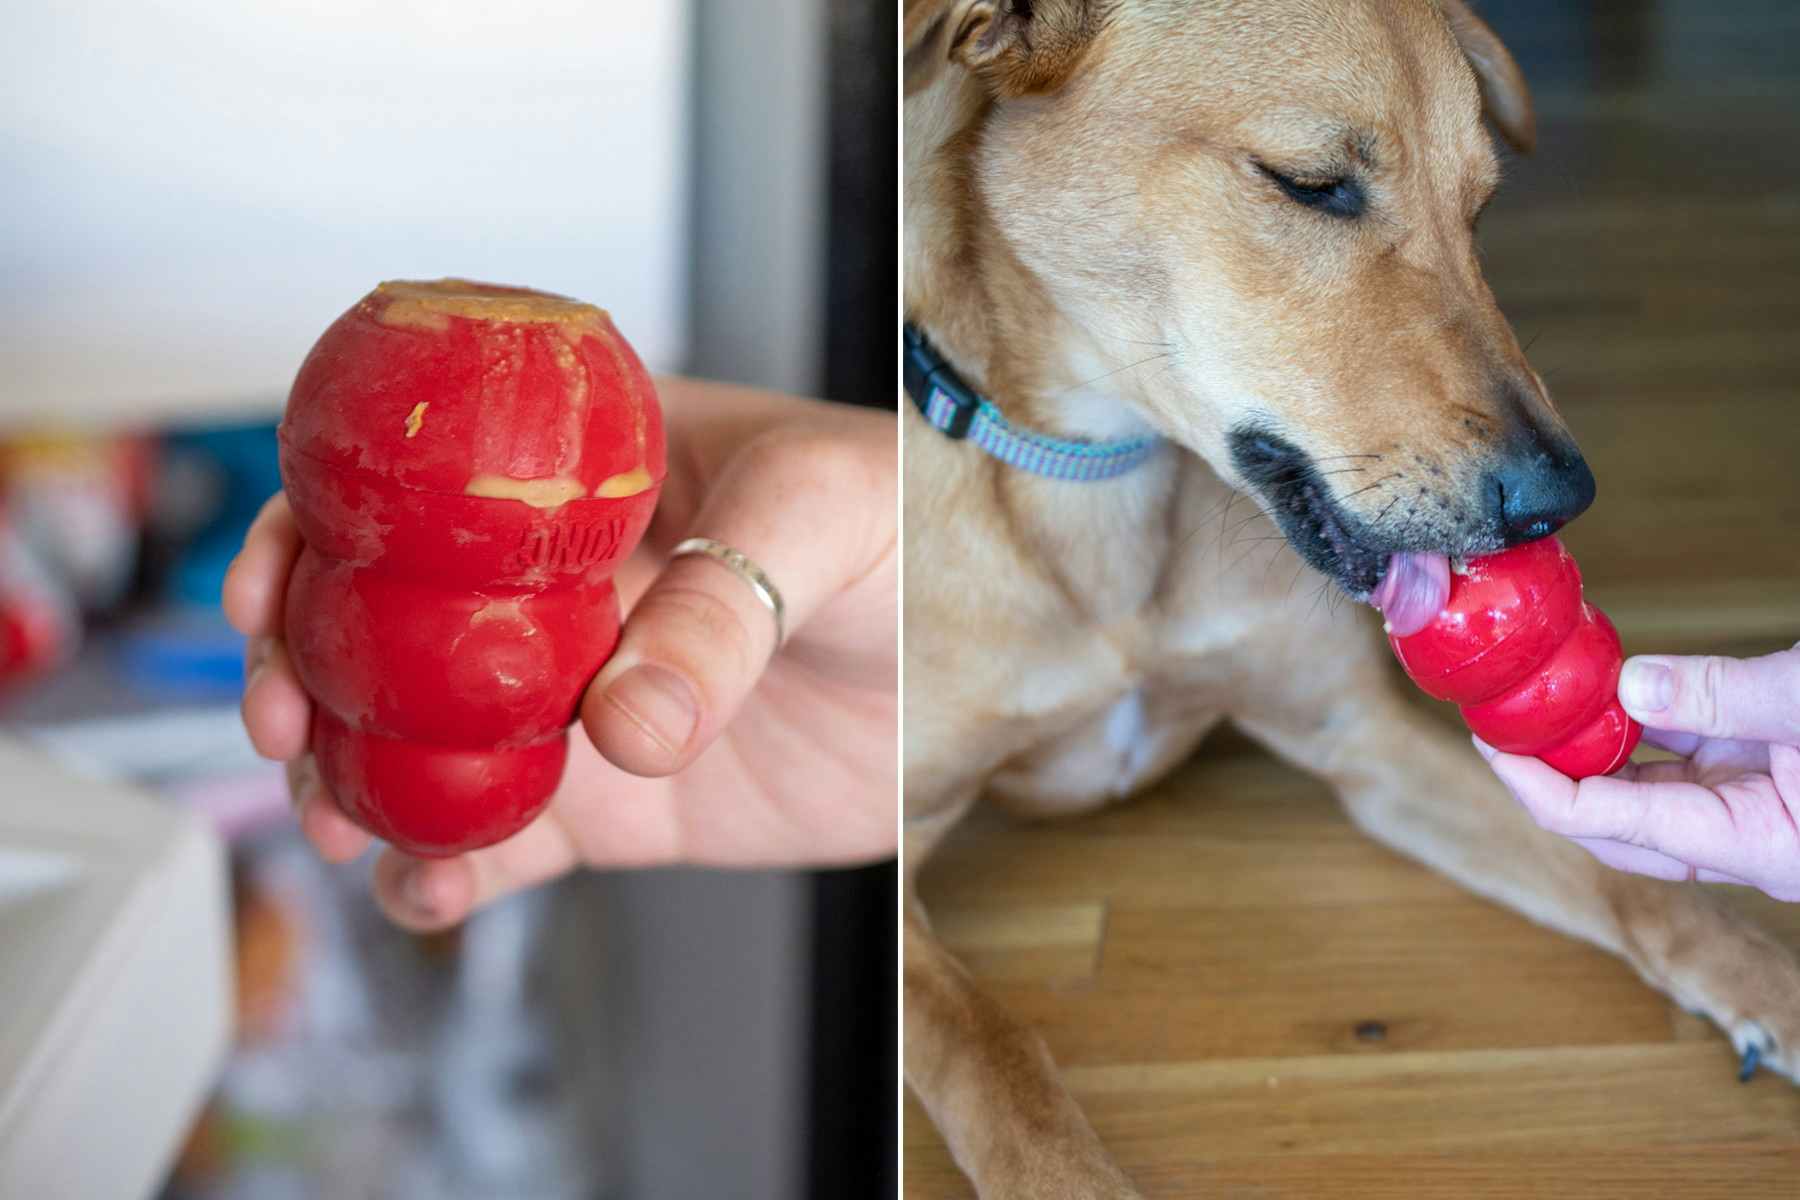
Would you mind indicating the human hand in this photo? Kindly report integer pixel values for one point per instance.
(705, 742)
(1726, 811)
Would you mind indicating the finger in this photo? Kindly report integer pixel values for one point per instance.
(814, 512)
(428, 894)
(1622, 856)
(1533, 783)
(1705, 875)
(1551, 797)
(333, 835)
(256, 582)
(1673, 740)
(1673, 770)
(1683, 820)
(1753, 698)
(276, 710)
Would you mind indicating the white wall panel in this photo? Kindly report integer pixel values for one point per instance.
(190, 190)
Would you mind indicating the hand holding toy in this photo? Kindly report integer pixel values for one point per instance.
(468, 465)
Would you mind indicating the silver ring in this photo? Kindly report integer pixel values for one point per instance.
(744, 569)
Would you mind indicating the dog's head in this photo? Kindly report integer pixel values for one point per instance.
(1256, 222)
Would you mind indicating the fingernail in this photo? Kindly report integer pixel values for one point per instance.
(659, 702)
(1646, 687)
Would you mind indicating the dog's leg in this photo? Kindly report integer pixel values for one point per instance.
(1416, 784)
(988, 1082)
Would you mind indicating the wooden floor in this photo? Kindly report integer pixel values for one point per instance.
(1249, 998)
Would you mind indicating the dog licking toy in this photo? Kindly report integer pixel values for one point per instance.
(1533, 668)
(468, 465)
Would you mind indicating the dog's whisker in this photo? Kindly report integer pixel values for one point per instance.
(1242, 525)
(1370, 487)
(1220, 540)
(1167, 367)
(1109, 374)
(1104, 202)
(1274, 556)
(1205, 517)
(1241, 559)
(1317, 596)
(1119, 337)
(1182, 542)
(1294, 582)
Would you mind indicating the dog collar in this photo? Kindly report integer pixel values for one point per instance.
(951, 406)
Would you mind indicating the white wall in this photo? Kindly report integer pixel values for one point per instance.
(191, 190)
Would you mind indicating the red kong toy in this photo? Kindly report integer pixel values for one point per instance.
(1534, 669)
(468, 465)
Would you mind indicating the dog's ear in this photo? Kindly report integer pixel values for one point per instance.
(1016, 47)
(925, 35)
(1503, 90)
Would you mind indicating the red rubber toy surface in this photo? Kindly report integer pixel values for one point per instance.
(468, 466)
(1534, 669)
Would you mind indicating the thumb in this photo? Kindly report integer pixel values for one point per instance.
(1754, 699)
(801, 506)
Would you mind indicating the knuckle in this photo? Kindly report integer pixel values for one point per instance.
(1705, 703)
(819, 459)
(1559, 815)
(1629, 823)
(1787, 690)
(698, 624)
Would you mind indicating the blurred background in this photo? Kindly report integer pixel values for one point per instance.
(194, 190)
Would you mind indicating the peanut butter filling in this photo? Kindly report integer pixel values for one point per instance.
(430, 303)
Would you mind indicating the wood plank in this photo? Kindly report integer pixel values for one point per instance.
(1743, 1171)
(1570, 1098)
(1516, 1107)
(1173, 984)
(1055, 943)
(1064, 866)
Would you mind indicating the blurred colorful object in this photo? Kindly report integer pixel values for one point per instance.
(39, 625)
(211, 484)
(70, 510)
(133, 527)
(78, 502)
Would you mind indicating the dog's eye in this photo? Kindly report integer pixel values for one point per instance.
(1337, 197)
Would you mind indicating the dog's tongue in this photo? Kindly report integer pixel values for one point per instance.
(1412, 592)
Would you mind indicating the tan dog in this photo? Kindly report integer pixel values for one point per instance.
(1247, 227)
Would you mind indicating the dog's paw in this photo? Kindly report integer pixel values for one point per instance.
(1759, 1049)
(1706, 952)
(1747, 984)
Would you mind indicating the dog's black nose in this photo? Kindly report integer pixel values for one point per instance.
(1540, 487)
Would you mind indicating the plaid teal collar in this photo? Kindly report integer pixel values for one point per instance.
(951, 406)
